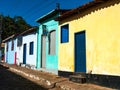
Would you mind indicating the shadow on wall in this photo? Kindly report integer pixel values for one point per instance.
(91, 9)
(12, 81)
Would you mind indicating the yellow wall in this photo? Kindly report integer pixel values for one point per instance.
(102, 40)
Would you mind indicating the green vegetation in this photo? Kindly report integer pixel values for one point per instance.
(12, 26)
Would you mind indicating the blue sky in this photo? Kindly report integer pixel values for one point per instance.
(31, 10)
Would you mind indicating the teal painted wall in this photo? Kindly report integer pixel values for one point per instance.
(39, 31)
(51, 60)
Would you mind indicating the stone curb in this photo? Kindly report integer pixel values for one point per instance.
(59, 83)
(42, 81)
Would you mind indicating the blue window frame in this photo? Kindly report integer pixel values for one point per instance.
(65, 33)
(7, 47)
(12, 45)
(31, 48)
(19, 41)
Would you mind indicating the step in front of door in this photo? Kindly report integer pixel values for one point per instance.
(82, 74)
(77, 78)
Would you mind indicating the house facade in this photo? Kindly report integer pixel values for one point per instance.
(89, 41)
(47, 52)
(10, 49)
(26, 47)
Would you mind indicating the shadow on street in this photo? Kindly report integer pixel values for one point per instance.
(12, 81)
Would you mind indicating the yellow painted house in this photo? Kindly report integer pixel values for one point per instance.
(89, 39)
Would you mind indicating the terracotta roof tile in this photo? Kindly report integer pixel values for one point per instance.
(23, 33)
(79, 9)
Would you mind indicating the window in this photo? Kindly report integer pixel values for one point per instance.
(65, 33)
(31, 48)
(12, 45)
(7, 48)
(52, 43)
(19, 41)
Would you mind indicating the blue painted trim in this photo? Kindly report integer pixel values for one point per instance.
(24, 53)
(31, 49)
(65, 33)
(82, 65)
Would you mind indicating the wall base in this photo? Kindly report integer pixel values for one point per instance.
(53, 71)
(103, 80)
(65, 74)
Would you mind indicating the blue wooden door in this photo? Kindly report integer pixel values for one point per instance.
(80, 52)
(24, 54)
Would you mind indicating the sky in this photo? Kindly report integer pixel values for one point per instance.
(31, 10)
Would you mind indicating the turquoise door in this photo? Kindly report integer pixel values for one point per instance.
(24, 54)
(80, 52)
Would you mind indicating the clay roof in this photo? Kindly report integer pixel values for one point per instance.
(23, 33)
(10, 37)
(29, 31)
(80, 9)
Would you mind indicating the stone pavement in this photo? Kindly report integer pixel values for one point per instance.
(50, 81)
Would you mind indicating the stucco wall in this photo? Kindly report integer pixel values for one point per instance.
(30, 59)
(51, 60)
(102, 40)
(5, 52)
(10, 54)
(19, 51)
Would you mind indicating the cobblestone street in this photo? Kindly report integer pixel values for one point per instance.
(12, 81)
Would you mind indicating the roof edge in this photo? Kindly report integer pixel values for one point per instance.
(83, 7)
(50, 13)
(23, 33)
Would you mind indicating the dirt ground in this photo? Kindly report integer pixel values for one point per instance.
(21, 80)
(12, 81)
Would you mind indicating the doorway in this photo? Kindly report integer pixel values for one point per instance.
(24, 53)
(43, 51)
(80, 52)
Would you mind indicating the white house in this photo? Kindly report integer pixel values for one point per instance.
(26, 47)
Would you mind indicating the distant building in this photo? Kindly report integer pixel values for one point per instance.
(2, 52)
(10, 49)
(21, 48)
(27, 47)
(90, 41)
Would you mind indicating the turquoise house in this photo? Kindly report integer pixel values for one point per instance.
(47, 47)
